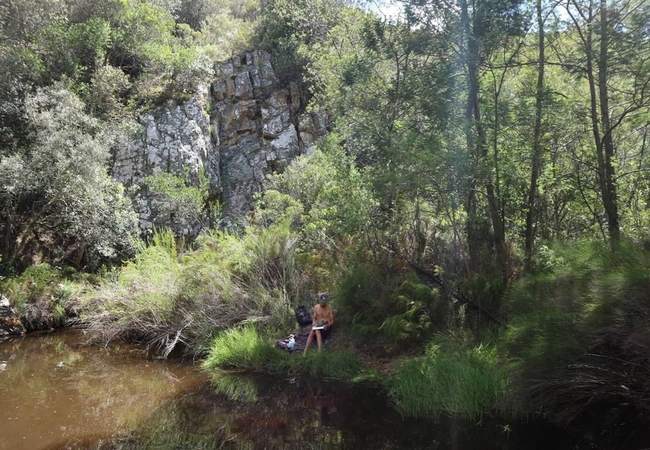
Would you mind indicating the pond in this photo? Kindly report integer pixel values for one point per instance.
(56, 393)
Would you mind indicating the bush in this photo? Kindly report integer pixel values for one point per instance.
(579, 336)
(241, 349)
(57, 201)
(44, 296)
(166, 298)
(323, 196)
(396, 308)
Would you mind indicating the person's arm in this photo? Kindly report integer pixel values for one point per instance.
(330, 318)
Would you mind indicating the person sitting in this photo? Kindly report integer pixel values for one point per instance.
(322, 316)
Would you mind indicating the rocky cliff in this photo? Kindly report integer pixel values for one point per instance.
(243, 126)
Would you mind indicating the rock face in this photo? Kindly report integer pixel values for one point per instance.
(10, 324)
(255, 126)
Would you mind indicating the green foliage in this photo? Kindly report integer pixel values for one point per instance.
(290, 30)
(168, 298)
(240, 349)
(323, 196)
(454, 378)
(44, 296)
(577, 331)
(399, 310)
(180, 204)
(57, 199)
(425, 310)
(358, 298)
(107, 87)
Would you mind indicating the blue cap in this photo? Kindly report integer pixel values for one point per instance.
(322, 298)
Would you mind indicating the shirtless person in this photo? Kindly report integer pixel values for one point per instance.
(323, 315)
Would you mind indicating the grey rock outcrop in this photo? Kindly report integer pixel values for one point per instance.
(176, 139)
(255, 126)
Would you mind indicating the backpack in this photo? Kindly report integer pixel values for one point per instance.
(303, 316)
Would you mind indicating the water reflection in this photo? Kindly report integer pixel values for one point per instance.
(53, 389)
(58, 394)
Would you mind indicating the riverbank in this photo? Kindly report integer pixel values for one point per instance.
(574, 347)
(58, 393)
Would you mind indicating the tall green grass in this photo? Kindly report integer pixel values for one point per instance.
(579, 335)
(456, 380)
(169, 298)
(245, 349)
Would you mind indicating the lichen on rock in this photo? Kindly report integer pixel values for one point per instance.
(255, 126)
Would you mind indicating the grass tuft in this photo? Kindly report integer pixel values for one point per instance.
(459, 381)
(245, 349)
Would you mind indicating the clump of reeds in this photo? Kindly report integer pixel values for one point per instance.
(579, 334)
(459, 380)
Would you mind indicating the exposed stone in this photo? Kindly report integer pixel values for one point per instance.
(253, 129)
(10, 324)
(243, 87)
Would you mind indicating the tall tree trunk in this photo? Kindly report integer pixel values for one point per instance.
(537, 141)
(607, 146)
(477, 148)
(473, 237)
(600, 120)
(593, 102)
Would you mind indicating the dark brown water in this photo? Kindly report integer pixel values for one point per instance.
(58, 394)
(53, 389)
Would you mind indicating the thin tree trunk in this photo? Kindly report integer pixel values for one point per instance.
(609, 186)
(473, 238)
(593, 97)
(537, 144)
(478, 148)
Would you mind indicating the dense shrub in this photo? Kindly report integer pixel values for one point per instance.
(579, 333)
(167, 298)
(43, 296)
(57, 201)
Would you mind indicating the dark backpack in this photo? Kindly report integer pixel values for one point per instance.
(303, 316)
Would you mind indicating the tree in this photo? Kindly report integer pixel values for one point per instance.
(537, 136)
(480, 27)
(605, 32)
(57, 200)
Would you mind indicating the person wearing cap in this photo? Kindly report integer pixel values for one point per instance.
(322, 316)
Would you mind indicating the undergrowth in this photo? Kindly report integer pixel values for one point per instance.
(168, 299)
(45, 296)
(579, 338)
